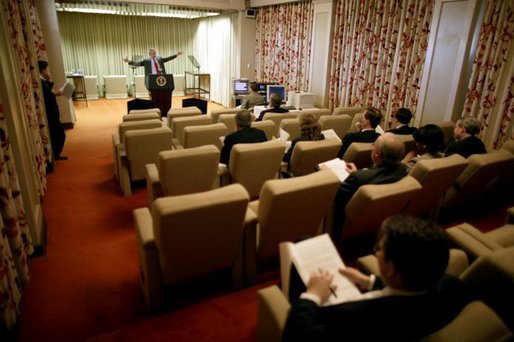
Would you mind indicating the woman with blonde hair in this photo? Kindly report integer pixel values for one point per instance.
(310, 130)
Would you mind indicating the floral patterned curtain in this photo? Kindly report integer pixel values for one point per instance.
(378, 53)
(489, 96)
(283, 44)
(15, 241)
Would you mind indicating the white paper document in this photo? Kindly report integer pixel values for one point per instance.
(330, 134)
(338, 166)
(319, 252)
(67, 89)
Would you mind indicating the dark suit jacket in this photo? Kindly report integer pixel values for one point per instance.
(362, 136)
(466, 147)
(393, 318)
(241, 136)
(380, 174)
(147, 63)
(403, 130)
(272, 110)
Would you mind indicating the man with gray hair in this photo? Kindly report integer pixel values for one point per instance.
(386, 155)
(244, 134)
(466, 141)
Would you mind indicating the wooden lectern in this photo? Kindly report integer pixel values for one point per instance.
(160, 87)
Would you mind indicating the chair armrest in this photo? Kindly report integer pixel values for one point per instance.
(223, 174)
(115, 143)
(153, 183)
(368, 264)
(272, 316)
(123, 170)
(471, 240)
(457, 263)
(148, 254)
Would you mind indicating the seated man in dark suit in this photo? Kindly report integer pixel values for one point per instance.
(253, 98)
(366, 125)
(275, 102)
(466, 141)
(410, 300)
(400, 122)
(387, 167)
(243, 135)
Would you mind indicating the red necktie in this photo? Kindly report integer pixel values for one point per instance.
(157, 71)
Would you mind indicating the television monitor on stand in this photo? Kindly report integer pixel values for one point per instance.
(278, 89)
(240, 87)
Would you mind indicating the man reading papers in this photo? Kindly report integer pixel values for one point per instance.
(409, 301)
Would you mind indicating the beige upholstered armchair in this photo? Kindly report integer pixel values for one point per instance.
(215, 114)
(204, 135)
(277, 117)
(287, 210)
(475, 243)
(435, 176)
(141, 116)
(178, 124)
(182, 112)
(291, 126)
(339, 123)
(253, 164)
(308, 154)
(351, 111)
(189, 235)
(372, 203)
(118, 139)
(317, 112)
(359, 154)
(144, 111)
(267, 126)
(228, 120)
(477, 178)
(447, 127)
(141, 147)
(184, 171)
(509, 146)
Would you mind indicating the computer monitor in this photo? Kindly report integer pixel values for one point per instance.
(278, 89)
(240, 87)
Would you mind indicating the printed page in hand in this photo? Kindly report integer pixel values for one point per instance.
(319, 252)
(331, 134)
(67, 89)
(338, 166)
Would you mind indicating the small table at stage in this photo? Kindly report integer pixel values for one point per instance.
(197, 84)
(80, 86)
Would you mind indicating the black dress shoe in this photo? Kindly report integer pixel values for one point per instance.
(61, 158)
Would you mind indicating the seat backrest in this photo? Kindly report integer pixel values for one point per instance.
(291, 126)
(178, 125)
(350, 111)
(491, 277)
(408, 142)
(509, 146)
(187, 171)
(215, 114)
(229, 120)
(204, 135)
(174, 113)
(149, 110)
(372, 203)
(277, 117)
(475, 323)
(267, 126)
(308, 154)
(482, 170)
(143, 146)
(124, 127)
(317, 112)
(293, 208)
(339, 123)
(141, 116)
(253, 164)
(447, 128)
(435, 176)
(198, 233)
(359, 154)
